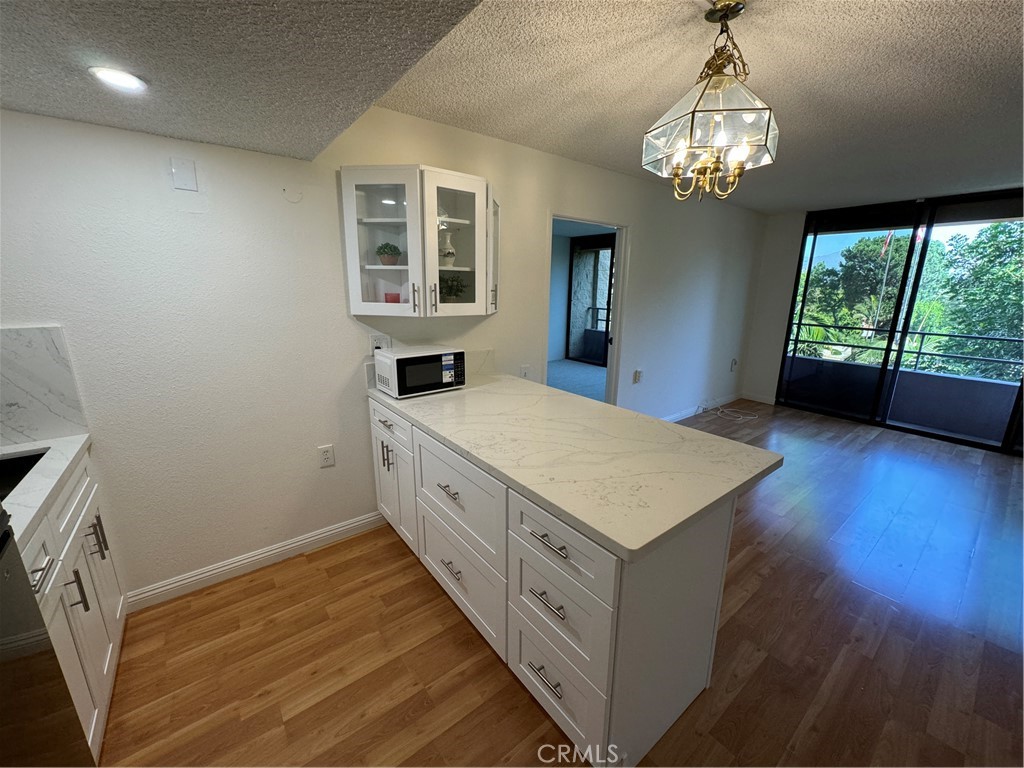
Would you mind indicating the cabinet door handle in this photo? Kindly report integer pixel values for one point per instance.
(543, 539)
(453, 495)
(448, 564)
(387, 425)
(94, 532)
(77, 581)
(543, 597)
(43, 571)
(433, 296)
(539, 672)
(390, 452)
(415, 297)
(103, 532)
(383, 454)
(494, 296)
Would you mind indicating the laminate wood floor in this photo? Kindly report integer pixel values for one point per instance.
(871, 616)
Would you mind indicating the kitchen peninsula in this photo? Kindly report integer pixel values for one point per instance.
(586, 542)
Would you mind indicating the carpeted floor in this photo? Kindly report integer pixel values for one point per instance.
(578, 378)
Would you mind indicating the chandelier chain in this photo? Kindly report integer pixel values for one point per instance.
(725, 55)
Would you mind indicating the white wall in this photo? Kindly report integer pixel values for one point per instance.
(210, 334)
(778, 261)
(558, 303)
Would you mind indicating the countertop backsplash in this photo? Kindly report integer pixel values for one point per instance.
(37, 387)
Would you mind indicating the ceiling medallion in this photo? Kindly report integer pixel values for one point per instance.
(719, 129)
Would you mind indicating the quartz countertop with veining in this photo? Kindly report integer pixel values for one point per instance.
(625, 479)
(30, 499)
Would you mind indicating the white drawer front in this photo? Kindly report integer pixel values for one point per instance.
(571, 618)
(576, 705)
(71, 504)
(468, 580)
(392, 424)
(591, 566)
(465, 497)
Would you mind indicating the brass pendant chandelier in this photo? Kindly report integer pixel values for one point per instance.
(719, 129)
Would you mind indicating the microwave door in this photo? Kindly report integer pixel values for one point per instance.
(422, 374)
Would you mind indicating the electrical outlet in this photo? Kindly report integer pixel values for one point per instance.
(638, 376)
(325, 453)
(524, 371)
(379, 341)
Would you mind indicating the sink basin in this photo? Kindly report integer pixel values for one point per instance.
(13, 470)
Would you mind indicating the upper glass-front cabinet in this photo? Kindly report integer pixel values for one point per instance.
(383, 246)
(419, 242)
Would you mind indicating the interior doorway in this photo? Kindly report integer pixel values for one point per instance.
(582, 308)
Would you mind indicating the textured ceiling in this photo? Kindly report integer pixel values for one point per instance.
(876, 99)
(278, 76)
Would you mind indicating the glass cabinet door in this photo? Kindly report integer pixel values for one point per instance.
(455, 243)
(382, 240)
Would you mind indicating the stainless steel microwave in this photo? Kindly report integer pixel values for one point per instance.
(419, 370)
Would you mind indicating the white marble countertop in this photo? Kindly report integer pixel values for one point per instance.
(41, 486)
(624, 479)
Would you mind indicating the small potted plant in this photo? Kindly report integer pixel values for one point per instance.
(451, 287)
(389, 254)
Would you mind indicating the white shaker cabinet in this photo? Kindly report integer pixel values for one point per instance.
(612, 642)
(80, 596)
(419, 242)
(393, 472)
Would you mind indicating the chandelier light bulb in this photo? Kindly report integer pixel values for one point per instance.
(739, 154)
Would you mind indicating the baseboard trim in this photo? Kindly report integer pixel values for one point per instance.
(203, 577)
(766, 399)
(693, 410)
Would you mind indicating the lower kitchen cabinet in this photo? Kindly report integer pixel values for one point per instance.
(82, 601)
(396, 494)
(613, 650)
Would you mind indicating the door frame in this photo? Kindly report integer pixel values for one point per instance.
(620, 256)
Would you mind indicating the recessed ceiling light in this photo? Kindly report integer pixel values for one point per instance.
(118, 80)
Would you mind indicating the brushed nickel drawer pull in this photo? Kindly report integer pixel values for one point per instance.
(448, 564)
(562, 551)
(415, 299)
(390, 454)
(453, 495)
(383, 454)
(539, 672)
(43, 571)
(77, 581)
(387, 424)
(94, 531)
(543, 597)
(103, 532)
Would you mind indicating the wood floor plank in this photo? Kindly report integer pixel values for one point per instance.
(871, 616)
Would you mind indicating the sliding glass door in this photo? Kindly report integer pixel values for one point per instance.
(910, 315)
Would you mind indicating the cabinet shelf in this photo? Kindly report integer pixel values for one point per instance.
(450, 220)
(402, 220)
(386, 267)
(455, 269)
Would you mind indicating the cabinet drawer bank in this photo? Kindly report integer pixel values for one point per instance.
(614, 638)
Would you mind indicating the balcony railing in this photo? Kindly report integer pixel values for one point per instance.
(920, 352)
